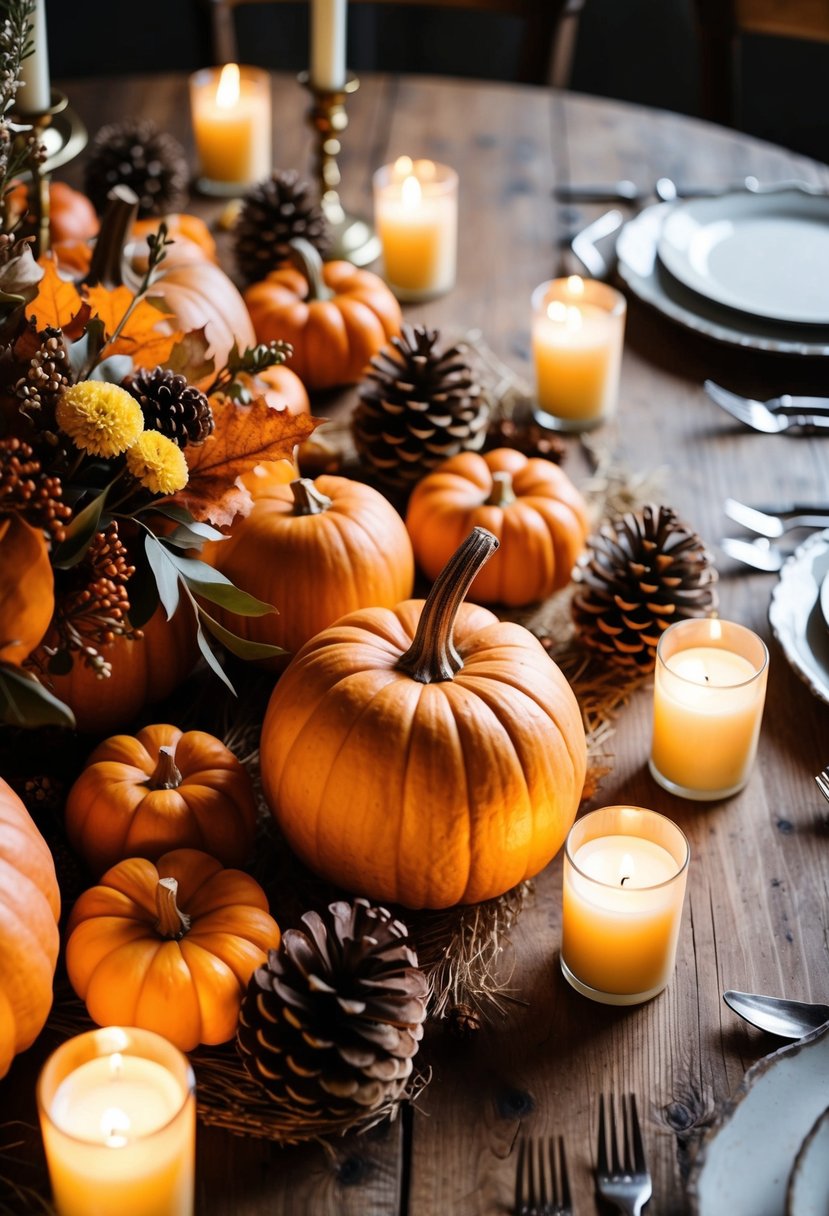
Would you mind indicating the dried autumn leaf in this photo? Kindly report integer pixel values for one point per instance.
(27, 598)
(147, 335)
(245, 435)
(57, 300)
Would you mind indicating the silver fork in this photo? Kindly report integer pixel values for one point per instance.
(774, 523)
(761, 417)
(822, 780)
(622, 1178)
(542, 1187)
(759, 553)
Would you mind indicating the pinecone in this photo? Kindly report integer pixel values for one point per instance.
(48, 373)
(171, 405)
(273, 212)
(330, 1025)
(637, 576)
(140, 155)
(418, 406)
(527, 437)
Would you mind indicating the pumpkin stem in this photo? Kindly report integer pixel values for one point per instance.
(502, 493)
(307, 498)
(309, 263)
(106, 266)
(432, 656)
(172, 923)
(166, 775)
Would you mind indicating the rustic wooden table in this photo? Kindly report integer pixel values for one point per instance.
(757, 912)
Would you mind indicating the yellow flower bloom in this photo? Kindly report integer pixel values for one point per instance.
(157, 463)
(99, 418)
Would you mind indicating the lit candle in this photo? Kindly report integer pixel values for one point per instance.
(624, 885)
(577, 333)
(231, 110)
(328, 45)
(709, 692)
(34, 95)
(416, 216)
(117, 1114)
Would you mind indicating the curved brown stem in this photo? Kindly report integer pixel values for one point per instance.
(432, 656)
(307, 498)
(502, 493)
(165, 775)
(309, 263)
(106, 266)
(172, 923)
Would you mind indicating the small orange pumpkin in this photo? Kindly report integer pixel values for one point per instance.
(72, 216)
(169, 946)
(334, 315)
(162, 789)
(430, 755)
(531, 505)
(281, 388)
(316, 550)
(26, 589)
(29, 911)
(181, 225)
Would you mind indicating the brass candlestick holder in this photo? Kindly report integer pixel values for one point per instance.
(354, 239)
(63, 135)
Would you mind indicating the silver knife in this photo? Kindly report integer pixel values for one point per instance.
(584, 243)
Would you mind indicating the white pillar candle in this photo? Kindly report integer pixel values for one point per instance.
(34, 95)
(231, 111)
(416, 217)
(708, 697)
(328, 64)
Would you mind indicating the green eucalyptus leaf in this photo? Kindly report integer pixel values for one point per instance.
(193, 536)
(166, 575)
(84, 351)
(208, 583)
(79, 532)
(113, 370)
(211, 658)
(25, 702)
(241, 647)
(143, 591)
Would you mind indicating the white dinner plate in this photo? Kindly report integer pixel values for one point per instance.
(796, 616)
(808, 1192)
(645, 276)
(765, 253)
(824, 599)
(745, 1161)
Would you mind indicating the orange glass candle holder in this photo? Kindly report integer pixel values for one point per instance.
(231, 114)
(416, 218)
(118, 1117)
(625, 869)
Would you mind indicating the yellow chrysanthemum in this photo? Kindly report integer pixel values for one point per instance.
(157, 463)
(99, 418)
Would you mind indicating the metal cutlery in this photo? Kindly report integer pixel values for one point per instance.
(785, 403)
(773, 524)
(774, 1014)
(542, 1187)
(758, 553)
(584, 243)
(665, 189)
(622, 1177)
(760, 417)
(822, 780)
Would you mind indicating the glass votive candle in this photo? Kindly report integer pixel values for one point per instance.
(578, 328)
(416, 218)
(708, 696)
(118, 1117)
(625, 869)
(231, 114)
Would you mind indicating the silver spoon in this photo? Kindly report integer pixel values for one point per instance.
(774, 1014)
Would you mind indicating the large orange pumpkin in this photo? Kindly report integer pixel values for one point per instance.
(428, 755)
(316, 550)
(531, 505)
(169, 946)
(334, 315)
(161, 789)
(26, 589)
(29, 911)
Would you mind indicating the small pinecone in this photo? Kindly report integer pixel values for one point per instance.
(418, 406)
(526, 437)
(47, 375)
(138, 154)
(637, 576)
(463, 1021)
(330, 1025)
(171, 405)
(273, 212)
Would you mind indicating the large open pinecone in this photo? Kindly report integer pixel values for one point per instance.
(171, 405)
(273, 213)
(330, 1025)
(418, 406)
(140, 155)
(637, 576)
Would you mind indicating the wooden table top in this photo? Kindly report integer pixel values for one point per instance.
(757, 913)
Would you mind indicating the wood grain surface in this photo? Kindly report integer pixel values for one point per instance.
(757, 911)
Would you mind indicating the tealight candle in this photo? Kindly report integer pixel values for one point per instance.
(117, 1114)
(231, 111)
(708, 697)
(577, 333)
(625, 870)
(416, 217)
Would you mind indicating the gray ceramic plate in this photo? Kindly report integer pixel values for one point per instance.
(808, 1193)
(796, 615)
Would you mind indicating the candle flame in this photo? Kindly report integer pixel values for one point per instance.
(403, 167)
(116, 1065)
(115, 1123)
(567, 315)
(716, 631)
(626, 869)
(575, 285)
(227, 92)
(410, 193)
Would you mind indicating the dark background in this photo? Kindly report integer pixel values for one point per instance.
(637, 50)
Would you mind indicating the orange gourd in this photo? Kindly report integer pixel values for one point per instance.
(316, 550)
(72, 216)
(334, 315)
(181, 225)
(281, 388)
(430, 755)
(29, 911)
(531, 505)
(26, 589)
(169, 946)
(162, 789)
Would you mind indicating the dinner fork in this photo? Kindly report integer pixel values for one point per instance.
(773, 524)
(822, 780)
(622, 1178)
(761, 417)
(542, 1187)
(758, 553)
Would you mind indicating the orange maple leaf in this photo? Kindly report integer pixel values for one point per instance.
(147, 335)
(57, 300)
(245, 435)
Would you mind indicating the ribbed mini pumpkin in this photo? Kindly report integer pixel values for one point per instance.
(161, 789)
(531, 505)
(169, 946)
(429, 755)
(315, 550)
